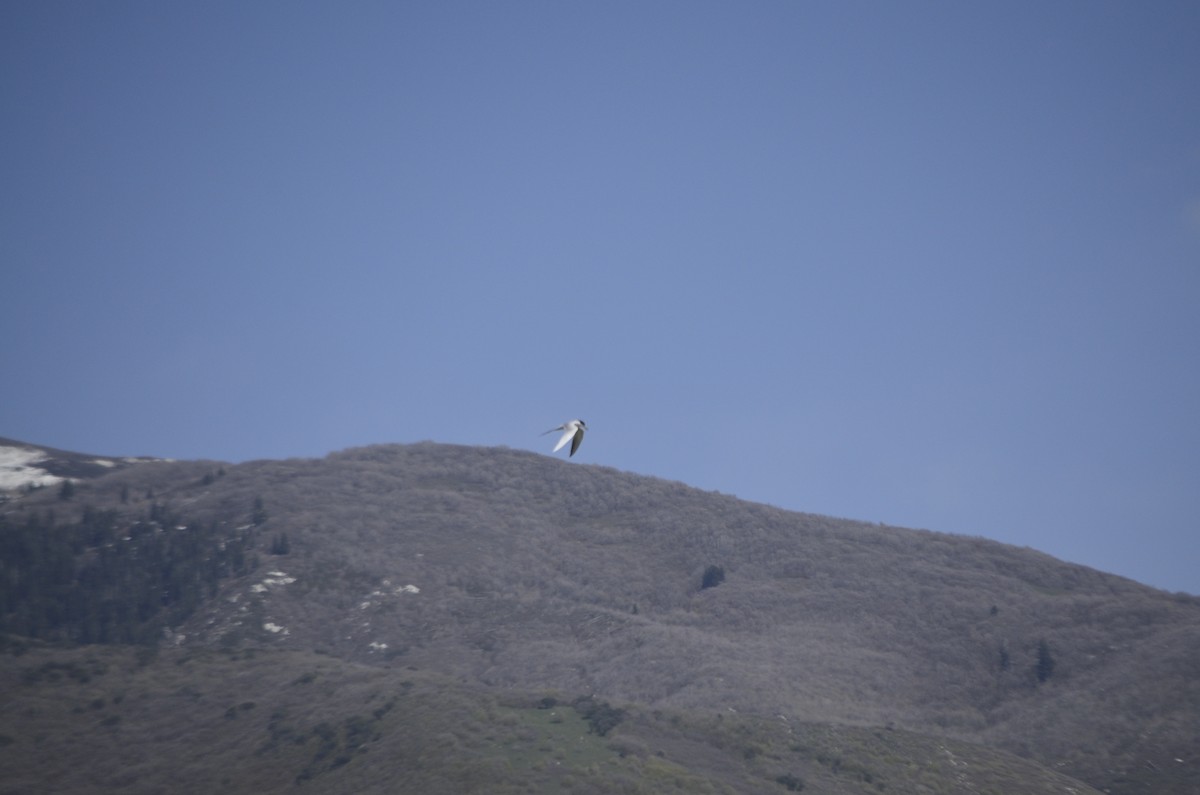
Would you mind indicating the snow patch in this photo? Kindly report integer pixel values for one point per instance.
(275, 628)
(272, 578)
(401, 589)
(104, 462)
(373, 597)
(17, 468)
(377, 646)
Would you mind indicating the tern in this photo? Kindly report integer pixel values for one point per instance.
(572, 431)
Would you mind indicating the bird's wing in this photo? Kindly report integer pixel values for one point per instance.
(552, 430)
(565, 438)
(575, 442)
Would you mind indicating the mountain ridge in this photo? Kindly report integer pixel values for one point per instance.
(518, 572)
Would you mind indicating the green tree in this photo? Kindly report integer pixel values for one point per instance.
(713, 576)
(600, 715)
(792, 782)
(259, 514)
(1045, 661)
(280, 545)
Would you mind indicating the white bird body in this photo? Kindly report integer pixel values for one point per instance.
(572, 432)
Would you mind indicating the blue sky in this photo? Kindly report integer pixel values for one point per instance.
(929, 264)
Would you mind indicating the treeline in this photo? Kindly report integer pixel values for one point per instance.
(102, 579)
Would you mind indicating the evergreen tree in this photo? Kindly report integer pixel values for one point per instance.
(713, 576)
(99, 580)
(280, 545)
(1045, 661)
(260, 513)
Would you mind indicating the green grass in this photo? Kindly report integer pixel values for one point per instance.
(99, 719)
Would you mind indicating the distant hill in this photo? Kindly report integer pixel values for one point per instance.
(27, 466)
(499, 577)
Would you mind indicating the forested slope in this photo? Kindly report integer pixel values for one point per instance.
(518, 573)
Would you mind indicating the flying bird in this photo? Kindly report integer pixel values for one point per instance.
(572, 431)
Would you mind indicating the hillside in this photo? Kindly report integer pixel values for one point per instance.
(511, 575)
(27, 466)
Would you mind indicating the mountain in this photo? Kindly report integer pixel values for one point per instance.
(738, 647)
(28, 466)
